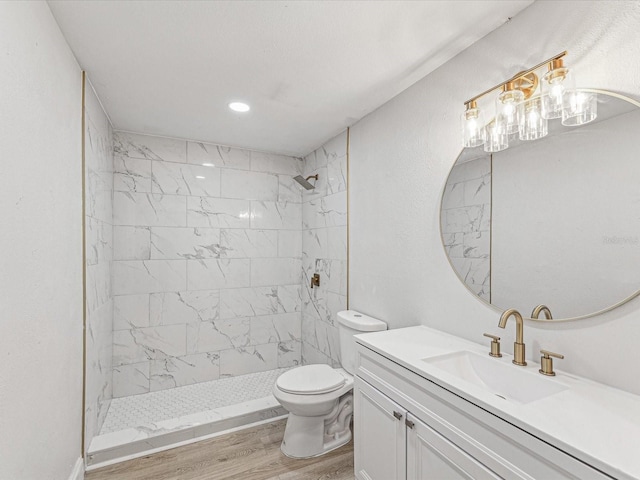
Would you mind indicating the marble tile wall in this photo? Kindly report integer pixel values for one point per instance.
(99, 256)
(207, 263)
(324, 251)
(466, 223)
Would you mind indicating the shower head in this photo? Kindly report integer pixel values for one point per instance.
(305, 181)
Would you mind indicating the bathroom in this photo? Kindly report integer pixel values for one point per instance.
(370, 226)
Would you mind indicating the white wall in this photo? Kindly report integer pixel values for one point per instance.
(400, 158)
(40, 245)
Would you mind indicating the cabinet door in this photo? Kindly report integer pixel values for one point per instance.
(431, 456)
(379, 435)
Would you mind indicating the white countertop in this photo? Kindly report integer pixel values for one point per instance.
(591, 421)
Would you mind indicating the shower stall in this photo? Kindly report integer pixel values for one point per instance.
(198, 265)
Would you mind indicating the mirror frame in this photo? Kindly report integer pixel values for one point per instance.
(495, 307)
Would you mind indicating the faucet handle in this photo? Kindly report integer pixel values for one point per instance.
(546, 362)
(495, 345)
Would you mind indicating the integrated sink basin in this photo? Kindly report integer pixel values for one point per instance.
(504, 380)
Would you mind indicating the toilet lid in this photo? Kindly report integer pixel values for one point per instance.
(310, 380)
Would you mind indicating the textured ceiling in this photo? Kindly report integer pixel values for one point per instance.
(308, 69)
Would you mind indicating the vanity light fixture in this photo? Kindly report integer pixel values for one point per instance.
(525, 104)
(239, 107)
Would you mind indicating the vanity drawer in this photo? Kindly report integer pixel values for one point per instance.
(474, 430)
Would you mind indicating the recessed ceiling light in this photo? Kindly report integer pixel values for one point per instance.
(239, 107)
(199, 176)
(208, 165)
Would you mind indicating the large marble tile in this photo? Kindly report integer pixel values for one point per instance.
(203, 337)
(276, 215)
(315, 243)
(275, 271)
(149, 276)
(130, 311)
(475, 218)
(337, 242)
(187, 370)
(172, 308)
(290, 243)
(245, 360)
(245, 243)
(131, 379)
(478, 191)
(337, 174)
(99, 241)
(274, 163)
(98, 285)
(453, 244)
(152, 343)
(184, 179)
(99, 194)
(473, 270)
(184, 243)
(310, 355)
(289, 353)
(249, 185)
(223, 273)
(218, 212)
(278, 328)
(289, 298)
(218, 156)
(453, 196)
(247, 302)
(150, 210)
(477, 244)
(131, 174)
(152, 148)
(131, 243)
(289, 190)
(329, 211)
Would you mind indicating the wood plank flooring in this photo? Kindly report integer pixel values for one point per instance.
(251, 454)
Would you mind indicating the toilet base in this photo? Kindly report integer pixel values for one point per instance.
(306, 437)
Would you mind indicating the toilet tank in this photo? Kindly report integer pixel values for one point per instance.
(352, 323)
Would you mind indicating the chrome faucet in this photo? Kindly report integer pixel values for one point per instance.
(518, 345)
(539, 309)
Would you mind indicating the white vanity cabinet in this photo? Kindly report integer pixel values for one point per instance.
(408, 427)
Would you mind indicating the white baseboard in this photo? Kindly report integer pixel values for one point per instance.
(78, 470)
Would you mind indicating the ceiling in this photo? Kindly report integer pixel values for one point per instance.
(309, 69)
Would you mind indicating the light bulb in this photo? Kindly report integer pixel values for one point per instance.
(472, 126)
(534, 125)
(579, 107)
(555, 85)
(509, 108)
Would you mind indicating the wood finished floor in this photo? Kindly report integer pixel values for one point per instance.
(251, 454)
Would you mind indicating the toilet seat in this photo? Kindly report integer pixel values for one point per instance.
(311, 380)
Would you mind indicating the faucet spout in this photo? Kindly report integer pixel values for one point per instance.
(518, 345)
(539, 309)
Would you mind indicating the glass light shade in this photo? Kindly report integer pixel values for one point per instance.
(509, 110)
(555, 84)
(534, 125)
(496, 137)
(473, 127)
(579, 108)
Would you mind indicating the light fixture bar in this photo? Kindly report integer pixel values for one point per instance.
(516, 77)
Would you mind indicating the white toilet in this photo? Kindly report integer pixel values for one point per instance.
(319, 398)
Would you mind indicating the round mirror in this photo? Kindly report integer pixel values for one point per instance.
(554, 221)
